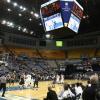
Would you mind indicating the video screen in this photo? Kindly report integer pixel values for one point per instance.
(50, 9)
(59, 43)
(74, 23)
(77, 10)
(53, 22)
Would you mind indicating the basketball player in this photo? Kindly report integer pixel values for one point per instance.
(3, 84)
(8, 79)
(21, 82)
(54, 82)
(28, 80)
(36, 82)
(62, 79)
(12, 79)
(58, 79)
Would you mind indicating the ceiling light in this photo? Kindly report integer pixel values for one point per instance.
(30, 19)
(47, 36)
(8, 23)
(24, 30)
(8, 1)
(21, 7)
(40, 24)
(9, 9)
(31, 32)
(20, 15)
(15, 4)
(36, 15)
(4, 22)
(24, 9)
(32, 12)
(19, 28)
(11, 24)
(84, 17)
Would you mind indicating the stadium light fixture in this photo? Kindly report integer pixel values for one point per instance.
(40, 24)
(30, 19)
(48, 36)
(20, 15)
(31, 32)
(24, 30)
(9, 10)
(21, 7)
(36, 15)
(19, 28)
(3, 22)
(11, 24)
(8, 1)
(15, 4)
(31, 12)
(8, 23)
(24, 9)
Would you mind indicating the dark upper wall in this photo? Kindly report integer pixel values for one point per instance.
(19, 40)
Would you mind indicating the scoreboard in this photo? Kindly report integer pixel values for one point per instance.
(50, 9)
(57, 14)
(51, 15)
(77, 10)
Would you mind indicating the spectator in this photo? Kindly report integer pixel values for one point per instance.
(88, 83)
(51, 95)
(78, 90)
(66, 94)
(90, 93)
(73, 91)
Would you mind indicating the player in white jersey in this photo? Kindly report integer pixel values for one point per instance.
(28, 80)
(57, 79)
(62, 79)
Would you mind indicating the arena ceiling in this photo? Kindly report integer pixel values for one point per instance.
(22, 16)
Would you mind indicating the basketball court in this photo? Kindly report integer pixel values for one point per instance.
(16, 93)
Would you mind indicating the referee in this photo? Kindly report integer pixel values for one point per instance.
(3, 84)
